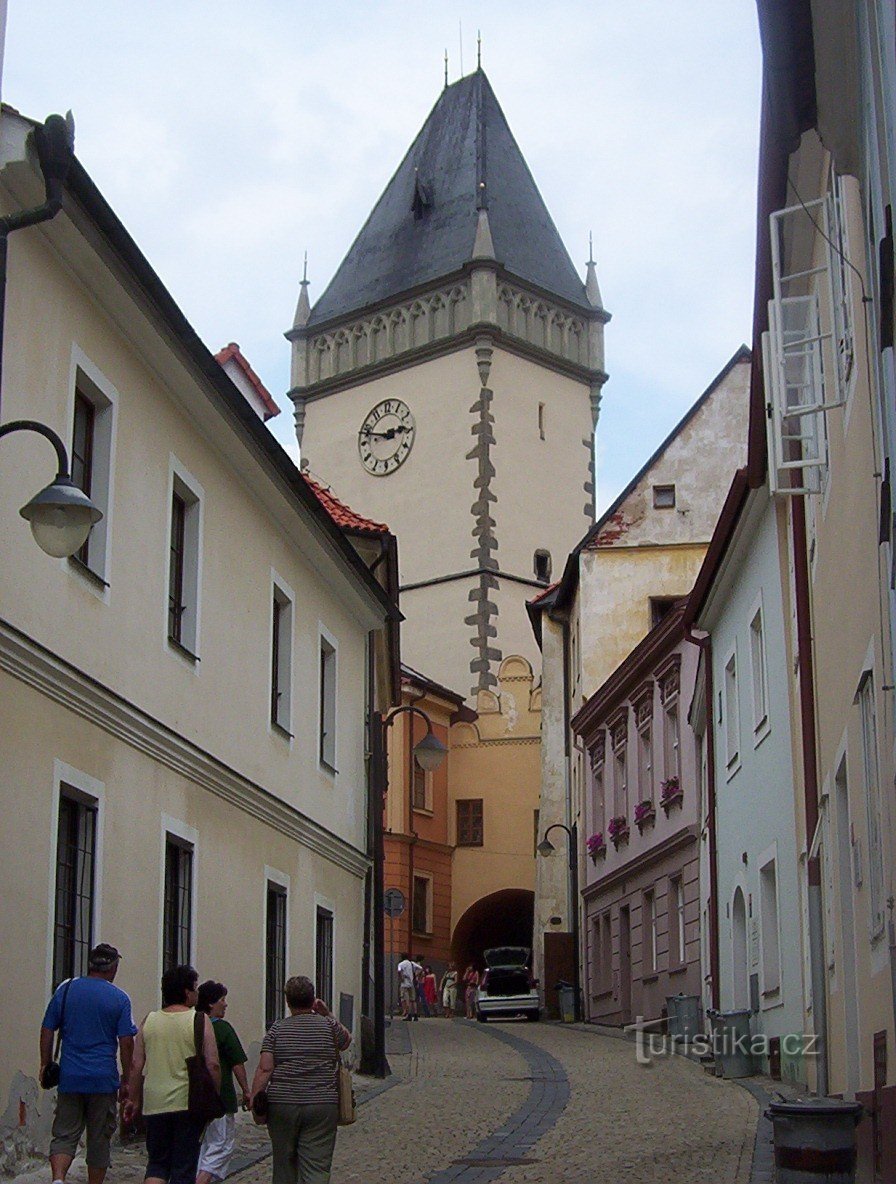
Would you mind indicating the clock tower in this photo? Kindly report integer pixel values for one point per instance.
(448, 382)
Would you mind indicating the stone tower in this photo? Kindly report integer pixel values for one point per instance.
(448, 382)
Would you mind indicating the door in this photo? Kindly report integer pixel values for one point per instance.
(625, 966)
(741, 983)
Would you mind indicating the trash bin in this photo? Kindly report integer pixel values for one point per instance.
(566, 1001)
(684, 1016)
(815, 1140)
(731, 1043)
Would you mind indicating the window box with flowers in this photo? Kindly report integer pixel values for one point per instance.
(618, 830)
(597, 847)
(645, 815)
(671, 793)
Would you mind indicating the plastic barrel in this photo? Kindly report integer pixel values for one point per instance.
(815, 1140)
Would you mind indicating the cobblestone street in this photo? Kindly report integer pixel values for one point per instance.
(523, 1104)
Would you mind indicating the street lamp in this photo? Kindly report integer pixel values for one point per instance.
(61, 516)
(545, 848)
(429, 753)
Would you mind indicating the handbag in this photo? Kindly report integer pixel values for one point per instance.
(344, 1089)
(203, 1100)
(49, 1077)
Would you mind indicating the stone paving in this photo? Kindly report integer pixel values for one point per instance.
(520, 1103)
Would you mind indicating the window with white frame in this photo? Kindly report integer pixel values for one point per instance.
(865, 699)
(281, 657)
(323, 960)
(177, 908)
(758, 671)
(677, 951)
(731, 713)
(768, 918)
(184, 552)
(91, 464)
(598, 788)
(327, 703)
(75, 889)
(644, 727)
(276, 901)
(606, 952)
(619, 738)
(595, 961)
(648, 932)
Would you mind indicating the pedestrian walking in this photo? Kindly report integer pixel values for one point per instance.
(94, 1020)
(422, 1005)
(165, 1039)
(448, 991)
(220, 1134)
(407, 985)
(297, 1070)
(430, 991)
(471, 986)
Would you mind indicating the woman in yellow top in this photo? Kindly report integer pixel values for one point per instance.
(159, 1083)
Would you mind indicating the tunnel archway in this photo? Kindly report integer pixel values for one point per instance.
(502, 918)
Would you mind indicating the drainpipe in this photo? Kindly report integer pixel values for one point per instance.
(810, 786)
(54, 141)
(571, 823)
(704, 644)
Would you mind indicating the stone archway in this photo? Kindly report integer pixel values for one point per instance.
(502, 918)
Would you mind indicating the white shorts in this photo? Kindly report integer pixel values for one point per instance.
(217, 1146)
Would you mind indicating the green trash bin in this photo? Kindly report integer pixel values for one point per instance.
(731, 1043)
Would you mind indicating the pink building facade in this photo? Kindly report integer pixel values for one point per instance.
(641, 935)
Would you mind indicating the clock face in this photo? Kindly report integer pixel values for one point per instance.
(386, 437)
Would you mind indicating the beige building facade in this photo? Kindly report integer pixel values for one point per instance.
(184, 702)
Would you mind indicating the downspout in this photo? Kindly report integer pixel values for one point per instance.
(810, 787)
(704, 644)
(371, 828)
(573, 872)
(54, 141)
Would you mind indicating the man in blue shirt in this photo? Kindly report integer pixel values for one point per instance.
(96, 1026)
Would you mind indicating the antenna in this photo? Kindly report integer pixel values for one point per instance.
(478, 49)
(590, 247)
(305, 271)
(460, 37)
(446, 69)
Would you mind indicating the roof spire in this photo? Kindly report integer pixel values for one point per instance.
(481, 161)
(592, 289)
(303, 308)
(478, 49)
(483, 247)
(446, 68)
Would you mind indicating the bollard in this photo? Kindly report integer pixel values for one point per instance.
(815, 1140)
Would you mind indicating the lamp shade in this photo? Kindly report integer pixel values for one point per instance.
(430, 752)
(546, 847)
(61, 518)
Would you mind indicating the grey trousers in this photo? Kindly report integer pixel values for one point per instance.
(302, 1142)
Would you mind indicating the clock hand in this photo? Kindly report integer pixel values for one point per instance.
(389, 434)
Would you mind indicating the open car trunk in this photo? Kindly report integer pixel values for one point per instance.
(507, 980)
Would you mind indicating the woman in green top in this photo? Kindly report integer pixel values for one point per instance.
(217, 1143)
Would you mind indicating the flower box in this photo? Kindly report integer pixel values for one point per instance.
(671, 793)
(645, 815)
(597, 847)
(618, 830)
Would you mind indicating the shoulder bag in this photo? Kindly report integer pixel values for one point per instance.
(49, 1077)
(203, 1100)
(344, 1088)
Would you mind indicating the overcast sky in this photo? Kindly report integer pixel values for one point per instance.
(229, 138)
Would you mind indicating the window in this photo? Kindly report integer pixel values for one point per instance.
(422, 905)
(541, 421)
(91, 464)
(327, 706)
(469, 822)
(177, 918)
(771, 952)
(281, 659)
(660, 607)
(274, 953)
(648, 933)
(324, 955)
(671, 737)
(183, 566)
(644, 722)
(757, 662)
(536, 817)
(598, 789)
(676, 922)
(606, 952)
(732, 722)
(664, 497)
(542, 565)
(841, 285)
(75, 884)
(872, 803)
(619, 738)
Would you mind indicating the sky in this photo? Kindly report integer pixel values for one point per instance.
(231, 138)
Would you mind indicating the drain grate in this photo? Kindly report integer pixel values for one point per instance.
(503, 1161)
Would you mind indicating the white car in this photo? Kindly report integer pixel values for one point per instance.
(507, 987)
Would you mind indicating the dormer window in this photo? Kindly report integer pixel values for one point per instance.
(542, 564)
(664, 497)
(422, 200)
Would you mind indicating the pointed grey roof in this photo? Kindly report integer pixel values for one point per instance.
(424, 225)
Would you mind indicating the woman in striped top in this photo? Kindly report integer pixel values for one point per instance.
(299, 1057)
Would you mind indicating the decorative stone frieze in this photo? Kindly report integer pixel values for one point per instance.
(543, 324)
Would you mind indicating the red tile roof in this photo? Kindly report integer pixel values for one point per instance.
(232, 352)
(542, 595)
(342, 514)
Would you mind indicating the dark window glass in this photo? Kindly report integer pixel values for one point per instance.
(469, 822)
(73, 921)
(275, 662)
(419, 787)
(82, 454)
(420, 905)
(664, 497)
(275, 954)
(176, 604)
(324, 955)
(178, 906)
